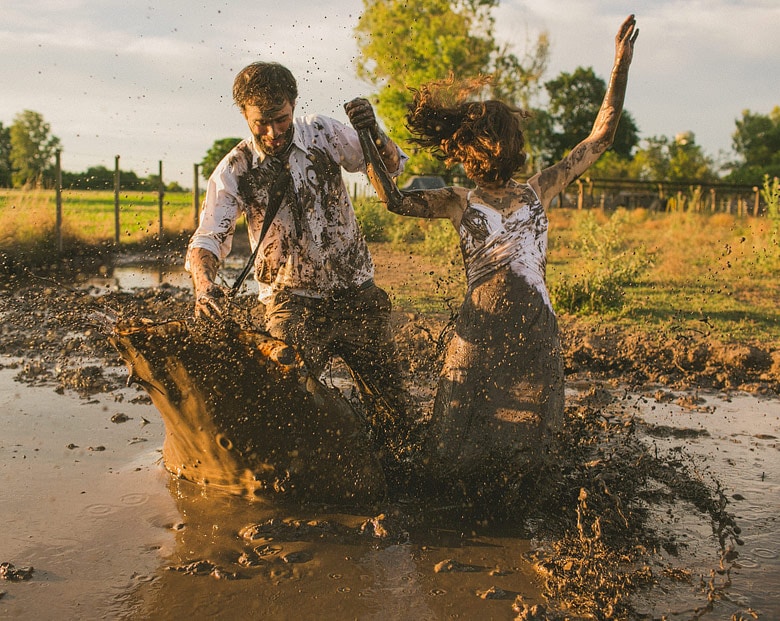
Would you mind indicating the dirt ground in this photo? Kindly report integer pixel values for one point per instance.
(59, 332)
(598, 540)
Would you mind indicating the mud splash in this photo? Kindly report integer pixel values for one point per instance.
(243, 414)
(598, 536)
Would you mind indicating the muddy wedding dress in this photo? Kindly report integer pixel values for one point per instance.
(501, 391)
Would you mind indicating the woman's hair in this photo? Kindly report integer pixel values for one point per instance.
(484, 136)
(265, 85)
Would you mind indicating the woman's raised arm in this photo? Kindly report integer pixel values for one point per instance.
(553, 180)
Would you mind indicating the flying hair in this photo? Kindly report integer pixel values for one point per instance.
(485, 136)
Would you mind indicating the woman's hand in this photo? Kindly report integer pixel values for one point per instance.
(624, 42)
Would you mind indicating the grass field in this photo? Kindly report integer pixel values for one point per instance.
(679, 271)
(89, 216)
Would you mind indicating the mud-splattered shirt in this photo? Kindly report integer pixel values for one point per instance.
(314, 245)
(489, 241)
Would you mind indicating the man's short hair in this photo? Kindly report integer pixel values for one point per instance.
(265, 85)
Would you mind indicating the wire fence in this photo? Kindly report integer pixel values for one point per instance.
(58, 189)
(697, 196)
(585, 193)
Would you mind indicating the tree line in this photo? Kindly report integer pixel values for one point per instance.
(442, 39)
(28, 152)
(399, 49)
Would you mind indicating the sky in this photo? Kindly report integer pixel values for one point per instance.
(151, 81)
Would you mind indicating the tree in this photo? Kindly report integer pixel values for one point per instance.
(678, 159)
(214, 155)
(517, 81)
(95, 178)
(32, 150)
(575, 100)
(5, 157)
(612, 166)
(102, 178)
(757, 144)
(401, 46)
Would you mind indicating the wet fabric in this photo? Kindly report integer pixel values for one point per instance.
(314, 244)
(353, 324)
(501, 389)
(489, 241)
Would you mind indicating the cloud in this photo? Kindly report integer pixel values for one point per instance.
(153, 80)
(697, 63)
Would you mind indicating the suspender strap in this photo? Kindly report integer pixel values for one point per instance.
(279, 187)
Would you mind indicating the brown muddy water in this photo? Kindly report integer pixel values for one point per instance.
(111, 535)
(130, 275)
(94, 527)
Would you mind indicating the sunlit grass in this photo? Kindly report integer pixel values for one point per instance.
(88, 217)
(713, 274)
(709, 273)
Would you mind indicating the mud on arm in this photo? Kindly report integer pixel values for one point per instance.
(204, 266)
(553, 180)
(446, 202)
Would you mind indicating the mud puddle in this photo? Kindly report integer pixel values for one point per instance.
(736, 441)
(135, 275)
(109, 534)
(83, 501)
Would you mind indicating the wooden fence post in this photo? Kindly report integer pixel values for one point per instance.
(755, 204)
(58, 194)
(116, 199)
(161, 195)
(196, 195)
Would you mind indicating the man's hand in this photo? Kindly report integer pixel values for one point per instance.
(208, 294)
(361, 114)
(209, 303)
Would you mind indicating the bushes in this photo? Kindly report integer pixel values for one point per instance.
(607, 265)
(435, 238)
(770, 192)
(374, 219)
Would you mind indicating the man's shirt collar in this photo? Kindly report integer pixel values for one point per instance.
(258, 155)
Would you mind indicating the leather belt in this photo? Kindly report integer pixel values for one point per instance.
(343, 294)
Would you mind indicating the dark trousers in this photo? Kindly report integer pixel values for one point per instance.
(355, 326)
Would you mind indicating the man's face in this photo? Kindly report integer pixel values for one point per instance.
(272, 128)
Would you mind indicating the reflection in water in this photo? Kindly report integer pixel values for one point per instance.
(234, 559)
(738, 441)
(91, 562)
(128, 277)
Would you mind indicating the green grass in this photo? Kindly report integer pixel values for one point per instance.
(678, 273)
(711, 274)
(88, 217)
(699, 273)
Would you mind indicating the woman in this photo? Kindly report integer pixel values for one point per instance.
(501, 390)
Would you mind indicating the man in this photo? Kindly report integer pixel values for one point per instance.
(313, 267)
